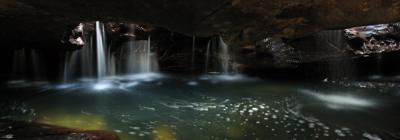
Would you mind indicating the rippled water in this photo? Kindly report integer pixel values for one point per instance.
(154, 106)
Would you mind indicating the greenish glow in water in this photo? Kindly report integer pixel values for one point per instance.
(168, 107)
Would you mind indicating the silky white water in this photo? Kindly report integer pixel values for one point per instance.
(101, 58)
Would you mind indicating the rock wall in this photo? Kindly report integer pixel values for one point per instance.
(43, 22)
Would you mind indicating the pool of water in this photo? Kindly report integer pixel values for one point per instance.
(156, 106)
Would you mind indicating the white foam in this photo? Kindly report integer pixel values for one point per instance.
(102, 86)
(337, 101)
(65, 86)
(192, 83)
(371, 137)
(226, 78)
(150, 76)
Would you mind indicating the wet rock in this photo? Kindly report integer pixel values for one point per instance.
(322, 46)
(73, 37)
(28, 130)
(277, 53)
(374, 38)
(239, 21)
(288, 53)
(242, 24)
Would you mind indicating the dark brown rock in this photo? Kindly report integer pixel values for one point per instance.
(19, 130)
(239, 21)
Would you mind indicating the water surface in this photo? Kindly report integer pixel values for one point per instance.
(155, 106)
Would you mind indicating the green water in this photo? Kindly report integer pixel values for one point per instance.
(200, 107)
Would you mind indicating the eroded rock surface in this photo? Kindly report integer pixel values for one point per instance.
(374, 39)
(43, 22)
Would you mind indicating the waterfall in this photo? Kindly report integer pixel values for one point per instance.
(28, 64)
(193, 52)
(331, 38)
(37, 67)
(131, 52)
(224, 56)
(139, 58)
(70, 65)
(334, 41)
(130, 62)
(79, 63)
(19, 64)
(379, 71)
(207, 56)
(218, 57)
(133, 56)
(111, 64)
(87, 57)
(101, 58)
(146, 57)
(66, 71)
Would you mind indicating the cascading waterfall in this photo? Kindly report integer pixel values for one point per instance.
(332, 38)
(193, 52)
(139, 57)
(130, 52)
(101, 58)
(70, 65)
(379, 64)
(67, 66)
(146, 57)
(111, 63)
(219, 51)
(37, 68)
(79, 63)
(335, 40)
(131, 57)
(27, 64)
(19, 64)
(224, 56)
(207, 56)
(87, 57)
(134, 57)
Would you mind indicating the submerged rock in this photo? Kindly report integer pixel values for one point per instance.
(34, 131)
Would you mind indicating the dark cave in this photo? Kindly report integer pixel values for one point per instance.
(199, 69)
